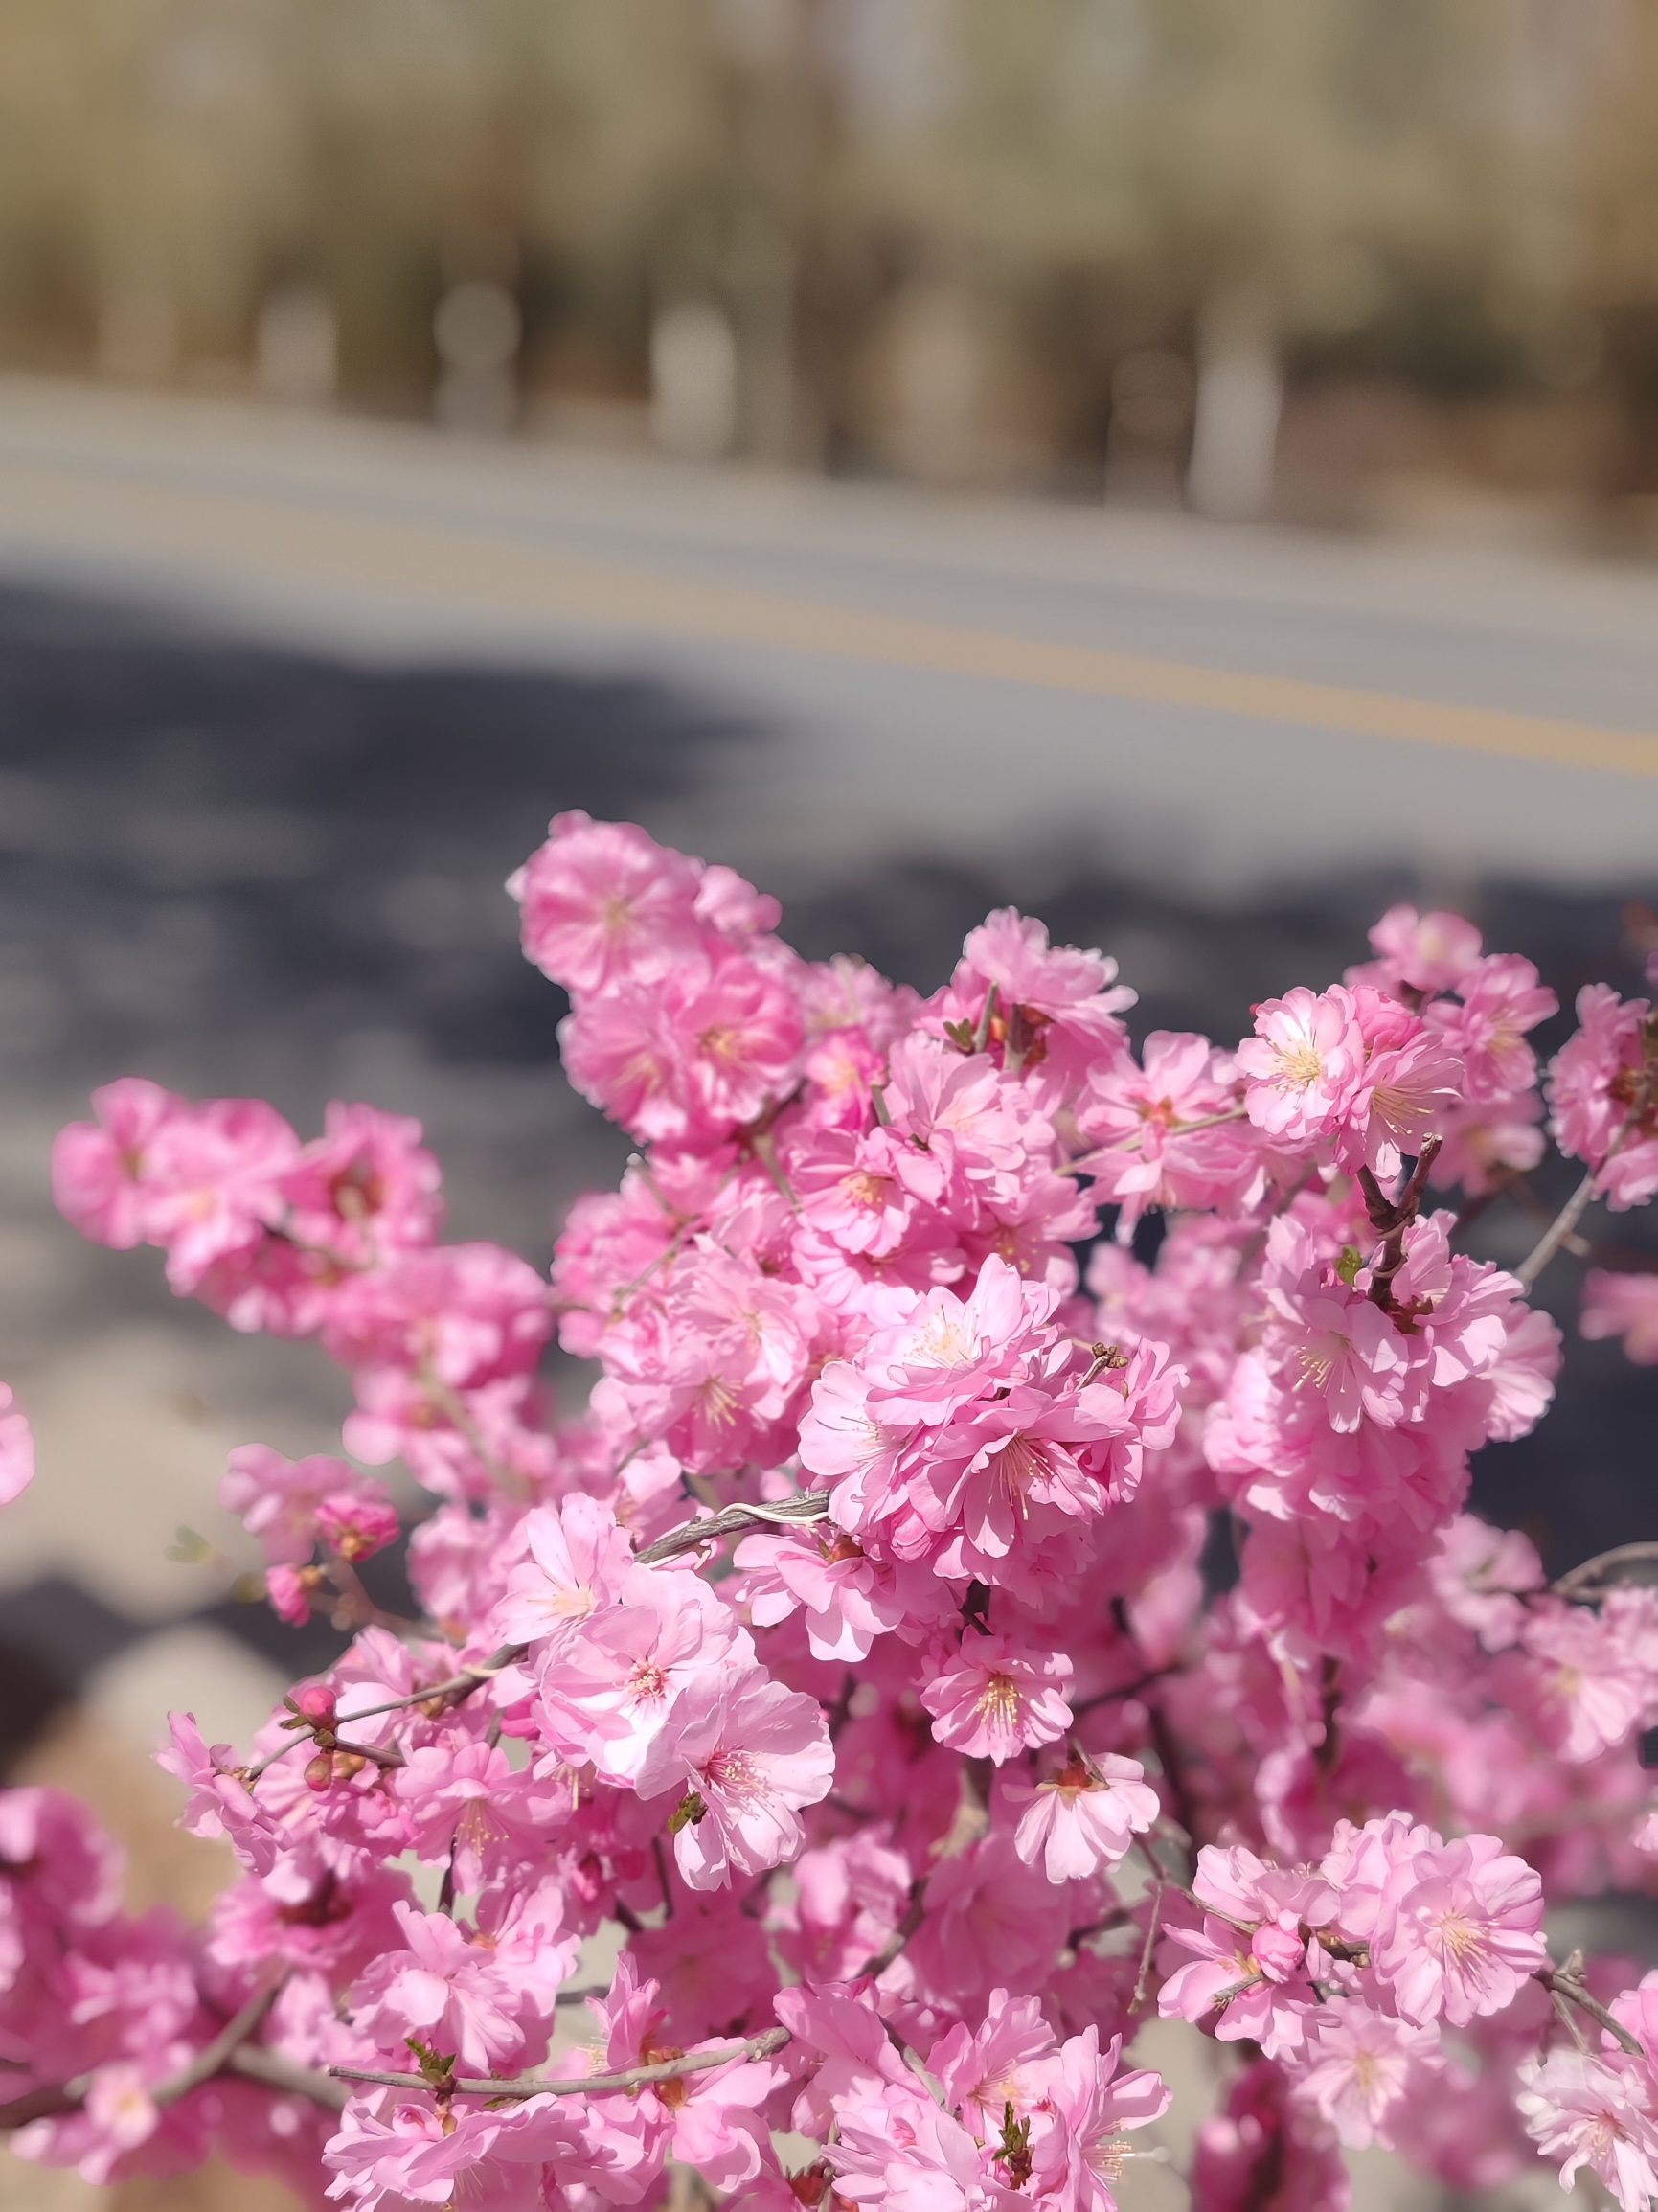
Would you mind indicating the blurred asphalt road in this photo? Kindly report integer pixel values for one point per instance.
(961, 677)
(283, 699)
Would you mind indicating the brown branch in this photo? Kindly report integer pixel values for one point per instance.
(810, 1505)
(1391, 1217)
(879, 1961)
(1580, 1581)
(1152, 1925)
(1173, 1772)
(225, 2051)
(211, 2056)
(1328, 1748)
(1561, 1984)
(1128, 1689)
(44, 2103)
(759, 2047)
(258, 2063)
(457, 1688)
(1561, 1229)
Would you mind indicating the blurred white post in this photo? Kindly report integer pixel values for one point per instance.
(693, 381)
(296, 346)
(477, 327)
(1240, 399)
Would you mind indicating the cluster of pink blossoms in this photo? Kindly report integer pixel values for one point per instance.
(830, 1730)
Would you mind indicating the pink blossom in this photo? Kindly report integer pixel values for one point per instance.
(903, 2155)
(448, 1992)
(1004, 2062)
(1480, 1141)
(1086, 1817)
(990, 1919)
(16, 1448)
(607, 1690)
(748, 1755)
(1011, 951)
(694, 1057)
(467, 1804)
(102, 1177)
(855, 2060)
(844, 1263)
(1479, 1575)
(1401, 1097)
(1081, 2154)
(220, 1802)
(356, 1524)
(392, 2155)
(1596, 2112)
(460, 1314)
(994, 1698)
(1302, 1068)
(859, 1190)
(1262, 2148)
(1331, 1341)
(1358, 2064)
(214, 1171)
(1622, 1306)
(1165, 1136)
(1256, 1952)
(1460, 1932)
(1596, 1677)
(1594, 1089)
(290, 1591)
(280, 1500)
(364, 1187)
(73, 1870)
(601, 902)
(847, 1598)
(1422, 952)
(577, 1560)
(1502, 1000)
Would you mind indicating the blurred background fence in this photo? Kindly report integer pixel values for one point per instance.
(1336, 259)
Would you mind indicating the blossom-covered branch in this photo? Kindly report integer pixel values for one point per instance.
(901, 1813)
(759, 2047)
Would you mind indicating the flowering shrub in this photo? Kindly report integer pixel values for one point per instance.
(850, 1661)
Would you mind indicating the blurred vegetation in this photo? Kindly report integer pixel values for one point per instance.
(955, 237)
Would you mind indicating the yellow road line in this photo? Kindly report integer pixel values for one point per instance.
(288, 541)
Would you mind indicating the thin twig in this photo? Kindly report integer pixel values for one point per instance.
(759, 2047)
(1568, 2019)
(878, 1962)
(1559, 1983)
(1391, 1217)
(1151, 1927)
(1572, 1211)
(258, 2063)
(1583, 1579)
(810, 1505)
(44, 2103)
(458, 1686)
(223, 2050)
(211, 2056)
(1560, 1228)
(1128, 1689)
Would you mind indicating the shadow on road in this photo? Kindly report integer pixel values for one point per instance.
(242, 869)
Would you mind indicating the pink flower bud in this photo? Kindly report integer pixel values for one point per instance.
(357, 1526)
(316, 1702)
(289, 1590)
(1278, 1948)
